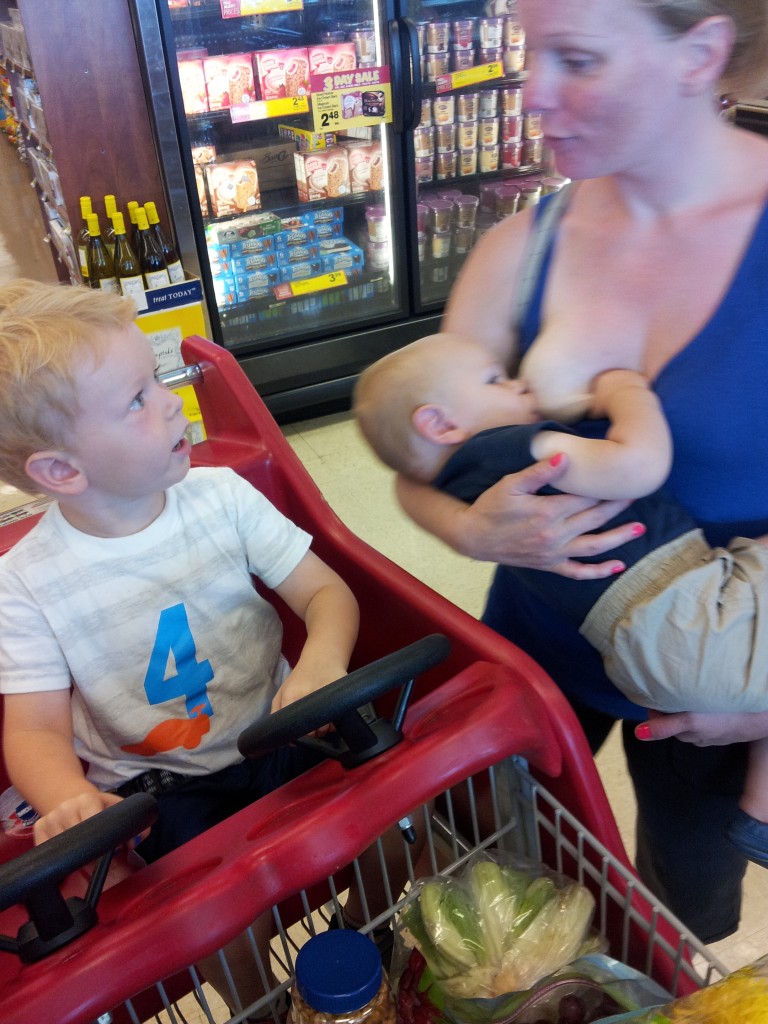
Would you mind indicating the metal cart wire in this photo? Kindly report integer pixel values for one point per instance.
(492, 756)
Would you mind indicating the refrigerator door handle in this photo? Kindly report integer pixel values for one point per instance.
(406, 74)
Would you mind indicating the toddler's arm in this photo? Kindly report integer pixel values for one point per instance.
(322, 599)
(635, 456)
(40, 756)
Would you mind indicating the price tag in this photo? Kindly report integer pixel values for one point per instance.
(351, 99)
(290, 289)
(469, 76)
(259, 110)
(239, 8)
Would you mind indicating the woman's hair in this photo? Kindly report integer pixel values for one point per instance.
(748, 64)
(46, 332)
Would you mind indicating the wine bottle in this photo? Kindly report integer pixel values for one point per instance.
(110, 207)
(82, 236)
(132, 207)
(172, 261)
(150, 255)
(101, 269)
(127, 267)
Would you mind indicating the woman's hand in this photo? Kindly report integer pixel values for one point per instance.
(705, 730)
(513, 525)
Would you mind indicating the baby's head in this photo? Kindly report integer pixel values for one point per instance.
(46, 333)
(417, 405)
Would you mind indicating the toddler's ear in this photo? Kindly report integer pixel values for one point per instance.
(55, 474)
(434, 423)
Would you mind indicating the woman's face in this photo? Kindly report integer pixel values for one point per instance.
(603, 75)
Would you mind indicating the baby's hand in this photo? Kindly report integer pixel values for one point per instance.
(72, 812)
(606, 385)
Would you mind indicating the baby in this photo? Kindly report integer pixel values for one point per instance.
(443, 410)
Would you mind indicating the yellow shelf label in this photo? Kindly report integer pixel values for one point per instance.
(260, 110)
(290, 289)
(469, 76)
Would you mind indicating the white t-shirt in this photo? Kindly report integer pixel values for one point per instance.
(168, 648)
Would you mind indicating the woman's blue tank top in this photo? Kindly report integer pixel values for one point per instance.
(715, 396)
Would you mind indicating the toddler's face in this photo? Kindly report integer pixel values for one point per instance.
(129, 434)
(479, 393)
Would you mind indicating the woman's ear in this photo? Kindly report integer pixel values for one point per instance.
(434, 424)
(706, 50)
(56, 474)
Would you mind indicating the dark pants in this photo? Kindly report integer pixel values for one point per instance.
(200, 803)
(686, 796)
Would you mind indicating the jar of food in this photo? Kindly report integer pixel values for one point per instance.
(339, 978)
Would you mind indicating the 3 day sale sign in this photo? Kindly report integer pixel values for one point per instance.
(351, 99)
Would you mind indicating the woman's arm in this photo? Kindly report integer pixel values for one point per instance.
(512, 525)
(705, 730)
(482, 300)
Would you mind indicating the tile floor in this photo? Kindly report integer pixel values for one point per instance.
(361, 493)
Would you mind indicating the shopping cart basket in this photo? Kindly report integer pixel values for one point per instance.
(487, 729)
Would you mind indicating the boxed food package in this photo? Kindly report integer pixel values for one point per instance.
(305, 140)
(224, 290)
(301, 271)
(329, 57)
(256, 284)
(252, 246)
(297, 254)
(295, 235)
(322, 175)
(363, 158)
(254, 225)
(233, 187)
(282, 73)
(204, 154)
(253, 261)
(193, 90)
(274, 164)
(340, 254)
(202, 195)
(229, 80)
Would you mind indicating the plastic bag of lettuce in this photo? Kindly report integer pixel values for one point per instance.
(507, 941)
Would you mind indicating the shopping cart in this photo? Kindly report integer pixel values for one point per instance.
(491, 757)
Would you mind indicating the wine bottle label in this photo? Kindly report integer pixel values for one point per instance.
(133, 287)
(109, 284)
(176, 272)
(157, 278)
(82, 251)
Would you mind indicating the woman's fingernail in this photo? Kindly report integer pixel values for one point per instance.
(638, 530)
(620, 567)
(556, 459)
(643, 731)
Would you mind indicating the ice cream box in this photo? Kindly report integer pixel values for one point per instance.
(299, 271)
(365, 165)
(282, 73)
(229, 80)
(300, 235)
(233, 187)
(248, 283)
(322, 175)
(297, 254)
(304, 140)
(340, 254)
(250, 246)
(326, 58)
(254, 225)
(253, 261)
(193, 90)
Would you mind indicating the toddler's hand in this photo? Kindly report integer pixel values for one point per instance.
(300, 683)
(72, 812)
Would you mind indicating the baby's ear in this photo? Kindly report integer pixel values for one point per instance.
(434, 424)
(56, 474)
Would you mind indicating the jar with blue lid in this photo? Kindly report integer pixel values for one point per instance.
(340, 980)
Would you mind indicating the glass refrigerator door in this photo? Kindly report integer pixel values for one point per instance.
(475, 156)
(284, 110)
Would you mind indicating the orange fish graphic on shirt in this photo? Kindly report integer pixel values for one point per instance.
(172, 734)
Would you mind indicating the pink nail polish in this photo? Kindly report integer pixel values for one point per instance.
(556, 459)
(638, 530)
(643, 731)
(618, 568)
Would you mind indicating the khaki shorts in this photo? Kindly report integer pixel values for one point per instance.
(686, 629)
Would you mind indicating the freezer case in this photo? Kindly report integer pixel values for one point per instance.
(279, 127)
(476, 155)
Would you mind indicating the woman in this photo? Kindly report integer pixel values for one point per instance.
(660, 264)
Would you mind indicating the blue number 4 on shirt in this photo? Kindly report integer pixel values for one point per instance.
(174, 636)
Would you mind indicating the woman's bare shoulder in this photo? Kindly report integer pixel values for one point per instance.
(484, 293)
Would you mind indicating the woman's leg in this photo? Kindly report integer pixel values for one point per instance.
(749, 829)
(686, 797)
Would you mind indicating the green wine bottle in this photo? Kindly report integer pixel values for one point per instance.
(150, 255)
(127, 267)
(101, 269)
(172, 261)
